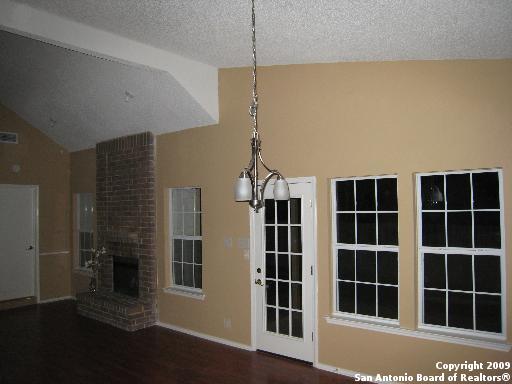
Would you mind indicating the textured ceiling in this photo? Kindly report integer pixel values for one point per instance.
(304, 31)
(79, 100)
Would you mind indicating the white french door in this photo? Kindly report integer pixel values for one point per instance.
(18, 215)
(283, 272)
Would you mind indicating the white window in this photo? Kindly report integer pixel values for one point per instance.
(365, 247)
(461, 251)
(84, 229)
(186, 238)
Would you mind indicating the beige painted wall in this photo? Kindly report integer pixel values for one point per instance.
(43, 163)
(82, 180)
(337, 120)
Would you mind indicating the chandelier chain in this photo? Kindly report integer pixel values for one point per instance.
(253, 109)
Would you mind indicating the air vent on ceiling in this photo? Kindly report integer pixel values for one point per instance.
(9, 137)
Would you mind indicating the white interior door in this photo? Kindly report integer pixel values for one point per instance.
(17, 241)
(283, 273)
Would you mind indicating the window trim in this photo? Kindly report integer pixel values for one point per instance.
(183, 290)
(354, 317)
(77, 268)
(446, 331)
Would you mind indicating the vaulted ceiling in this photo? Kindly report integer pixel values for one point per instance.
(116, 67)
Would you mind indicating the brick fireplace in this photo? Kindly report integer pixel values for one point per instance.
(125, 211)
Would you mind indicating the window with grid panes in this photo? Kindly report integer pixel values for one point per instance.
(186, 238)
(365, 246)
(461, 250)
(84, 231)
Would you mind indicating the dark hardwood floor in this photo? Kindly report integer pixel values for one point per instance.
(49, 343)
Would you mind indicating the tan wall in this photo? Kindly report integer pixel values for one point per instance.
(43, 163)
(82, 180)
(336, 120)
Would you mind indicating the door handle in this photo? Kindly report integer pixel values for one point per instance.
(258, 282)
(30, 247)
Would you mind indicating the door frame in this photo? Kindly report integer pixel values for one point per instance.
(252, 223)
(35, 221)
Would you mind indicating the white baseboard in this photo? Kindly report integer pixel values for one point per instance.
(205, 336)
(346, 372)
(52, 300)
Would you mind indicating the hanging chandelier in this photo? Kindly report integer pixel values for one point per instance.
(246, 187)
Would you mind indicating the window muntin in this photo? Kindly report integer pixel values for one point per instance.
(84, 229)
(365, 247)
(186, 238)
(460, 233)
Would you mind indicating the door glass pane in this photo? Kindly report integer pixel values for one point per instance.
(284, 321)
(271, 319)
(284, 294)
(270, 240)
(295, 211)
(282, 212)
(270, 292)
(282, 239)
(283, 271)
(297, 324)
(295, 239)
(296, 296)
(270, 265)
(270, 215)
(296, 267)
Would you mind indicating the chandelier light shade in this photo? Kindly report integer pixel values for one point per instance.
(246, 187)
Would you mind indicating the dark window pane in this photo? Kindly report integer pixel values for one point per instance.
(345, 195)
(366, 228)
(177, 272)
(177, 252)
(458, 191)
(283, 294)
(345, 228)
(486, 190)
(198, 252)
(295, 239)
(296, 267)
(434, 307)
(346, 264)
(487, 274)
(198, 276)
(433, 230)
(284, 322)
(366, 299)
(365, 195)
(386, 195)
(388, 228)
(459, 229)
(295, 211)
(488, 313)
(270, 265)
(460, 272)
(271, 319)
(271, 292)
(297, 324)
(460, 310)
(434, 274)
(432, 192)
(283, 271)
(270, 239)
(365, 266)
(270, 214)
(282, 239)
(387, 267)
(388, 302)
(188, 251)
(346, 297)
(188, 275)
(487, 230)
(297, 296)
(282, 212)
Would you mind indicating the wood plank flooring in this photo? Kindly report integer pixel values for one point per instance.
(49, 343)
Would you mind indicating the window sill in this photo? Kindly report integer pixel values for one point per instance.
(193, 294)
(419, 334)
(84, 272)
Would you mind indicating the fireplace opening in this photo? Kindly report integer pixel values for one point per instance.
(126, 276)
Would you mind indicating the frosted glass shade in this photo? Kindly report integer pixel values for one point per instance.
(281, 191)
(243, 189)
